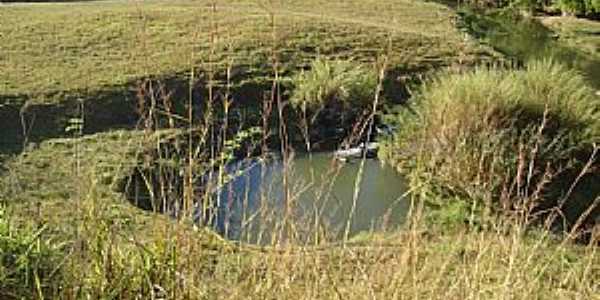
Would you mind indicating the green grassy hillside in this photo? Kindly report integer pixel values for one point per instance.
(579, 33)
(52, 50)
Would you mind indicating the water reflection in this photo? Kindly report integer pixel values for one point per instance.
(312, 193)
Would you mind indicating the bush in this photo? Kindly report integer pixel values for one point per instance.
(572, 6)
(498, 136)
(593, 6)
(334, 83)
(334, 95)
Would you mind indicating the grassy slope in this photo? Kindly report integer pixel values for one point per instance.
(114, 249)
(63, 48)
(579, 33)
(51, 181)
(53, 54)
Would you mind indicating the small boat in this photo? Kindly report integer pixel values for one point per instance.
(369, 150)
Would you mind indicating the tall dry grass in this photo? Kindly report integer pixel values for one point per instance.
(115, 252)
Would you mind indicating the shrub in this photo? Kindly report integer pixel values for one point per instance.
(593, 6)
(333, 94)
(498, 136)
(336, 83)
(572, 6)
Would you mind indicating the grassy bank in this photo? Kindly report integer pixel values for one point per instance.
(50, 51)
(71, 227)
(493, 141)
(84, 240)
(578, 33)
(55, 55)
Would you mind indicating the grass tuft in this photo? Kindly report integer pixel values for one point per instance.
(499, 138)
(344, 83)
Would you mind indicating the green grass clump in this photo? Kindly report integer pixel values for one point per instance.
(338, 83)
(331, 97)
(508, 137)
(28, 262)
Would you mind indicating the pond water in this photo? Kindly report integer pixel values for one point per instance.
(313, 193)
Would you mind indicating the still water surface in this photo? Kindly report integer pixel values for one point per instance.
(315, 193)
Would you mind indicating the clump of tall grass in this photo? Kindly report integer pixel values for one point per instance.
(333, 94)
(28, 262)
(340, 82)
(494, 138)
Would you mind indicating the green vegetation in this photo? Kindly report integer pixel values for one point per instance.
(27, 262)
(589, 8)
(580, 7)
(107, 248)
(335, 82)
(115, 103)
(332, 96)
(87, 48)
(578, 33)
(102, 52)
(570, 42)
(501, 139)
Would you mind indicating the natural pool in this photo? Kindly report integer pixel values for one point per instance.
(310, 195)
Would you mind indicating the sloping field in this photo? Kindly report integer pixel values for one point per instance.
(48, 51)
(579, 33)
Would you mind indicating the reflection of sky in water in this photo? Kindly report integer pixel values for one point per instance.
(320, 189)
